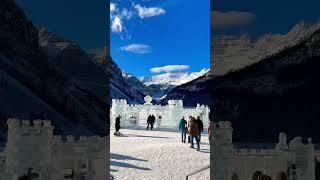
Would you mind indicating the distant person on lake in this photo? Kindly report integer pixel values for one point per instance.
(153, 120)
(183, 129)
(117, 124)
(193, 128)
(150, 121)
(200, 124)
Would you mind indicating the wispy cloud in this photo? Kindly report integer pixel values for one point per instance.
(121, 16)
(137, 48)
(116, 25)
(169, 68)
(145, 12)
(113, 7)
(231, 19)
(117, 17)
(126, 13)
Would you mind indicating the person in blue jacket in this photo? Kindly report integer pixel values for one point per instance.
(183, 129)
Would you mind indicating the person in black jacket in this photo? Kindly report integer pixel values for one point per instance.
(117, 124)
(153, 120)
(149, 120)
(200, 125)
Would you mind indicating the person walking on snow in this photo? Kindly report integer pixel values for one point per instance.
(194, 132)
(153, 120)
(183, 129)
(188, 125)
(117, 126)
(149, 121)
(200, 123)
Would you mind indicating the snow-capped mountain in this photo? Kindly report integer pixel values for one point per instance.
(232, 52)
(236, 53)
(193, 92)
(120, 88)
(172, 78)
(159, 86)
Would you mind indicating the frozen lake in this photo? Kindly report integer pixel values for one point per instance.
(156, 155)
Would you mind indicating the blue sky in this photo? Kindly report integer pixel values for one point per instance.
(148, 34)
(259, 17)
(84, 22)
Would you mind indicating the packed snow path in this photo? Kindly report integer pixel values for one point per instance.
(156, 155)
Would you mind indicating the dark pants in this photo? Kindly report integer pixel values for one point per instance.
(117, 128)
(183, 136)
(197, 141)
(199, 137)
(151, 124)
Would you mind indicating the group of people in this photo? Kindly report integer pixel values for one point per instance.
(150, 121)
(194, 128)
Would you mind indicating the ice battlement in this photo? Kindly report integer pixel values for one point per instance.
(58, 139)
(178, 103)
(257, 152)
(32, 144)
(167, 116)
(244, 162)
(25, 124)
(22, 129)
(119, 102)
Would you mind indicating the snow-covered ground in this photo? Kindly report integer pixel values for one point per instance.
(157, 155)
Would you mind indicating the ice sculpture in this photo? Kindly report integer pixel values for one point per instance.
(167, 116)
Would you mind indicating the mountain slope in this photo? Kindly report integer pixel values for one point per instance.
(191, 93)
(279, 93)
(232, 52)
(35, 86)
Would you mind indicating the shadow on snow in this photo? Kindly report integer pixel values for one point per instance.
(124, 157)
(127, 165)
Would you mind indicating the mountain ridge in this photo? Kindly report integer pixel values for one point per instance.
(33, 87)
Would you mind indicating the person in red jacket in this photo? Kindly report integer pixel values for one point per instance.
(193, 128)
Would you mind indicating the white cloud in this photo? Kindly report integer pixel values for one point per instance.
(126, 13)
(118, 16)
(113, 7)
(116, 25)
(144, 12)
(169, 68)
(231, 19)
(137, 48)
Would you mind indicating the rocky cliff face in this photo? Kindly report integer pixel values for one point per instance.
(39, 78)
(191, 93)
(120, 87)
(277, 94)
(231, 52)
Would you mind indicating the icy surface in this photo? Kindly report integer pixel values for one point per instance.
(156, 155)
